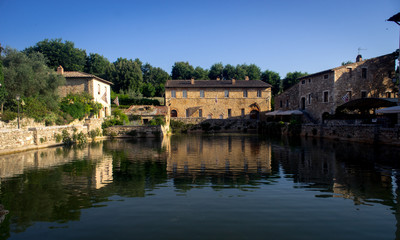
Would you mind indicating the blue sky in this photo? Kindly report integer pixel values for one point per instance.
(281, 35)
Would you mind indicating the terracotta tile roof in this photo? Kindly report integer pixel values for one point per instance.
(75, 74)
(146, 110)
(216, 84)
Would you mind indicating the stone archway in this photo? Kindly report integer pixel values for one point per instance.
(174, 113)
(254, 114)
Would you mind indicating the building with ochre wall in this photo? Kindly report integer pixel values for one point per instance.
(322, 92)
(217, 99)
(98, 88)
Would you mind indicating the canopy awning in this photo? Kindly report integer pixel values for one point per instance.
(368, 103)
(284, 113)
(395, 109)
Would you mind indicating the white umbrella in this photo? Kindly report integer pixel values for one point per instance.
(395, 109)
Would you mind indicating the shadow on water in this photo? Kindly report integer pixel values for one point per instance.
(54, 185)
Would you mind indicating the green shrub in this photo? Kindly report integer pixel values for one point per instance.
(8, 116)
(118, 114)
(66, 137)
(157, 121)
(58, 138)
(111, 122)
(132, 133)
(79, 138)
(79, 105)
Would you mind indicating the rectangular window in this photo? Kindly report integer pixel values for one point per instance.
(350, 70)
(242, 110)
(287, 102)
(303, 81)
(309, 80)
(388, 95)
(363, 94)
(309, 98)
(226, 93)
(187, 112)
(184, 93)
(229, 113)
(98, 87)
(326, 95)
(200, 113)
(258, 93)
(201, 93)
(280, 104)
(173, 93)
(326, 76)
(364, 73)
(245, 93)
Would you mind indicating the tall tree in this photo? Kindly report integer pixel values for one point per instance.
(60, 53)
(229, 71)
(253, 72)
(272, 78)
(3, 91)
(241, 71)
(291, 79)
(216, 71)
(156, 77)
(125, 74)
(97, 64)
(182, 70)
(29, 76)
(200, 73)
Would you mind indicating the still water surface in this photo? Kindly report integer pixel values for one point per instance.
(202, 187)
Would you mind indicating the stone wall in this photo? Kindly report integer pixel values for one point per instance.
(368, 133)
(136, 131)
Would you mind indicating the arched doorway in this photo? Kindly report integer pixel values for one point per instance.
(174, 113)
(254, 114)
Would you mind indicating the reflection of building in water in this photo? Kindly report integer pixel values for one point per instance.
(225, 154)
(16, 164)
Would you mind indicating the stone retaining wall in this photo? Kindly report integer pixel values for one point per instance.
(368, 133)
(135, 131)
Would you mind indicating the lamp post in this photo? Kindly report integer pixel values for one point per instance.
(18, 98)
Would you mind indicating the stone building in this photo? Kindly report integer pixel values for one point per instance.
(218, 99)
(321, 93)
(98, 88)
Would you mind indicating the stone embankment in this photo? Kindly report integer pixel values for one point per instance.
(367, 133)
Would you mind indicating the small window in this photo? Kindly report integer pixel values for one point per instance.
(184, 93)
(209, 116)
(200, 113)
(229, 113)
(388, 95)
(242, 112)
(364, 73)
(363, 94)
(309, 99)
(187, 112)
(326, 95)
(303, 81)
(287, 102)
(348, 93)
(258, 93)
(326, 76)
(173, 93)
(280, 104)
(201, 93)
(350, 71)
(226, 93)
(98, 87)
(245, 93)
(221, 116)
(309, 80)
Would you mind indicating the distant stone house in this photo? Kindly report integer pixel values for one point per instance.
(98, 88)
(217, 99)
(321, 93)
(148, 112)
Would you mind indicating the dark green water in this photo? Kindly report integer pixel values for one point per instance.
(202, 187)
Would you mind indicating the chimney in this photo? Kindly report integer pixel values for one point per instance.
(192, 81)
(246, 78)
(218, 78)
(233, 81)
(359, 58)
(60, 70)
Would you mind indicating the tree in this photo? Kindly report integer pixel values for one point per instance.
(272, 78)
(291, 79)
(216, 71)
(96, 64)
(3, 91)
(156, 76)
(345, 63)
(200, 73)
(229, 72)
(126, 75)
(241, 71)
(148, 90)
(253, 72)
(182, 70)
(29, 76)
(59, 53)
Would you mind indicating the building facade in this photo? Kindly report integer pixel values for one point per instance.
(217, 99)
(321, 93)
(98, 88)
